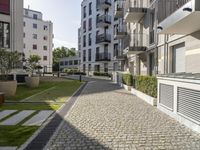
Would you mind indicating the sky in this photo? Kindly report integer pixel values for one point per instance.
(65, 15)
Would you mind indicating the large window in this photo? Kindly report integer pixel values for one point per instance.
(4, 35)
(5, 6)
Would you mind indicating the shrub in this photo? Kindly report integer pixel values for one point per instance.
(127, 79)
(147, 85)
(102, 74)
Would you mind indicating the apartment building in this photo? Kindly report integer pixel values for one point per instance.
(38, 38)
(97, 36)
(69, 63)
(11, 25)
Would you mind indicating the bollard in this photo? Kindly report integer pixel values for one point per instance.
(80, 78)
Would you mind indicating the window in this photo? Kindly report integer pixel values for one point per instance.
(45, 38)
(5, 7)
(90, 39)
(34, 46)
(4, 35)
(90, 24)
(45, 58)
(75, 62)
(35, 16)
(45, 48)
(84, 41)
(24, 35)
(70, 62)
(66, 63)
(84, 26)
(24, 23)
(24, 45)
(89, 55)
(35, 26)
(84, 12)
(45, 28)
(84, 55)
(61, 63)
(34, 36)
(90, 8)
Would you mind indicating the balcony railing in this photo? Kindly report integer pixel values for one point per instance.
(152, 37)
(120, 31)
(103, 57)
(119, 8)
(168, 7)
(103, 20)
(102, 4)
(136, 42)
(103, 38)
(135, 10)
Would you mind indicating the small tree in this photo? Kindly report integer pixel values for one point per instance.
(8, 60)
(32, 63)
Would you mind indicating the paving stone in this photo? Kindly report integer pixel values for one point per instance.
(8, 148)
(39, 118)
(17, 118)
(6, 113)
(109, 118)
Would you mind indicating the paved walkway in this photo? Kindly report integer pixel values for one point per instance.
(106, 117)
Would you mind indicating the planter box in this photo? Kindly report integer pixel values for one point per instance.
(151, 100)
(126, 87)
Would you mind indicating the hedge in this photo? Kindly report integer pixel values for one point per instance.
(127, 79)
(102, 74)
(147, 85)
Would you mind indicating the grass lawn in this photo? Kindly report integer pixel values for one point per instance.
(48, 96)
(15, 135)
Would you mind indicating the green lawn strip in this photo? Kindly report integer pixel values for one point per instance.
(15, 135)
(23, 91)
(60, 93)
(31, 106)
(9, 116)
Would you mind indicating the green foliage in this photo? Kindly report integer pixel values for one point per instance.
(59, 53)
(74, 71)
(33, 63)
(147, 84)
(102, 74)
(127, 79)
(8, 60)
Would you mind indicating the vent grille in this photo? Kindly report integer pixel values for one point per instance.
(167, 95)
(189, 103)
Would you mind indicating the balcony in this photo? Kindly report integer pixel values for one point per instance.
(135, 43)
(178, 17)
(134, 11)
(103, 21)
(103, 38)
(103, 4)
(103, 57)
(120, 32)
(119, 8)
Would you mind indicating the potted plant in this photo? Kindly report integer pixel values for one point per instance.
(32, 64)
(8, 61)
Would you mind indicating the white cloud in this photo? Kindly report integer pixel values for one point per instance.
(59, 43)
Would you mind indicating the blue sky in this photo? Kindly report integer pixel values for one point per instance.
(65, 15)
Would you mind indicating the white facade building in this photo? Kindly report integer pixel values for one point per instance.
(97, 36)
(38, 38)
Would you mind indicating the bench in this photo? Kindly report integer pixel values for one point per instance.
(2, 98)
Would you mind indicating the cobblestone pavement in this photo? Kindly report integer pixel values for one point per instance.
(107, 117)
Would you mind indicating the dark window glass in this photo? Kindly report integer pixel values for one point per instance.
(4, 35)
(5, 6)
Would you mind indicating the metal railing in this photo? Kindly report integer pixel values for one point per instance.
(122, 28)
(138, 4)
(136, 40)
(103, 2)
(119, 5)
(168, 7)
(103, 38)
(104, 19)
(103, 56)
